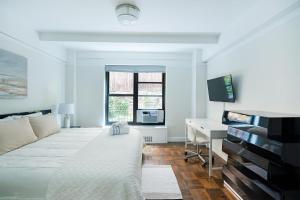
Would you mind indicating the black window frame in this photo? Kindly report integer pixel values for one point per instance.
(135, 96)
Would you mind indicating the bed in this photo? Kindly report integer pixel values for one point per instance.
(81, 163)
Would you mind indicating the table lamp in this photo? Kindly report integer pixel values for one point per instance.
(66, 109)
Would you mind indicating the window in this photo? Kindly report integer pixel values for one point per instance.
(150, 91)
(127, 92)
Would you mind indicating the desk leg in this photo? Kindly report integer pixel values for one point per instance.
(210, 158)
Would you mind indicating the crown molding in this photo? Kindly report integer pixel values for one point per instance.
(32, 47)
(115, 37)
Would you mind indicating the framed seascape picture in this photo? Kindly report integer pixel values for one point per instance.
(13, 75)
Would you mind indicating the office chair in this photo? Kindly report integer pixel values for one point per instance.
(197, 139)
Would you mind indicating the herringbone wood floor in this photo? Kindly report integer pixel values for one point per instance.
(192, 178)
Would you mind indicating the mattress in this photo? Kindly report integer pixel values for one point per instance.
(43, 170)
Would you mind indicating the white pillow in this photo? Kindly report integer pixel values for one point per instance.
(37, 114)
(44, 125)
(6, 119)
(119, 128)
(14, 134)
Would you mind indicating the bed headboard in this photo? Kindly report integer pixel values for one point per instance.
(25, 113)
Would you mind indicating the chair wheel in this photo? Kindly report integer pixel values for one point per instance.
(204, 164)
(185, 159)
(185, 153)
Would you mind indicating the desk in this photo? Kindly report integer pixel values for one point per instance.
(212, 129)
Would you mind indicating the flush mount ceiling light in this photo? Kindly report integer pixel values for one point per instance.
(127, 13)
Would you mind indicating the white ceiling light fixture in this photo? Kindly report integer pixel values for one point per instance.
(127, 13)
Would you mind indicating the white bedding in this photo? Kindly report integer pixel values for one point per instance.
(63, 166)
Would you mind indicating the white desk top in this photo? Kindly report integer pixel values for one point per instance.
(211, 128)
(207, 123)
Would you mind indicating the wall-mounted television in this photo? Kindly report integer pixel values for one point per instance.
(221, 89)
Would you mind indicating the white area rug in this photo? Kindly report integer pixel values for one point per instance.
(159, 182)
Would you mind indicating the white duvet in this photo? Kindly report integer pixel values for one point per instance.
(74, 164)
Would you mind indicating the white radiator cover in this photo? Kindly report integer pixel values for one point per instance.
(153, 134)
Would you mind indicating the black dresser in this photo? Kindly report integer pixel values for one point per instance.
(263, 155)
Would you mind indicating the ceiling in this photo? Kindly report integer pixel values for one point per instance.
(26, 18)
(156, 15)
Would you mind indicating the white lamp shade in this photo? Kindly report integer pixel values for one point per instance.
(66, 108)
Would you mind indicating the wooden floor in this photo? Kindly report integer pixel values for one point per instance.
(192, 178)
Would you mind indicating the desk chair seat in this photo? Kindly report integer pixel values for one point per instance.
(196, 139)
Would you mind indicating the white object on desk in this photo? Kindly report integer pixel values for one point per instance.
(211, 129)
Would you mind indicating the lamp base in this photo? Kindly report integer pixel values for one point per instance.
(67, 121)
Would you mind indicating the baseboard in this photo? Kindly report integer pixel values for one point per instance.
(176, 139)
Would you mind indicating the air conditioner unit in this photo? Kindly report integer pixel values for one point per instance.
(150, 116)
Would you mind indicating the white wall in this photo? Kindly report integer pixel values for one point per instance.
(45, 79)
(90, 92)
(265, 71)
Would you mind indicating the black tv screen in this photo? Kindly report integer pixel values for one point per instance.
(221, 89)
